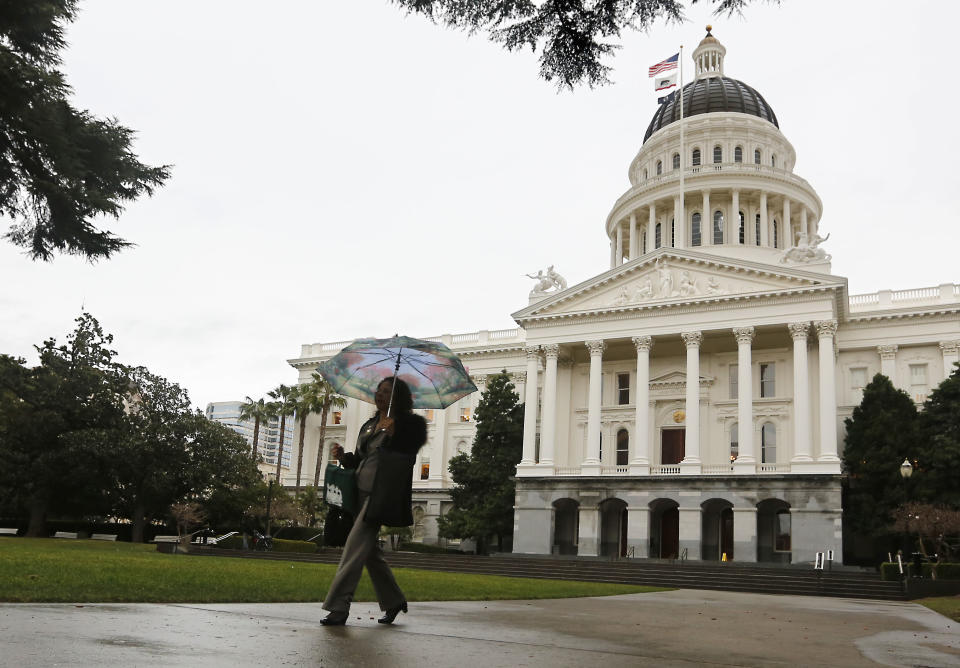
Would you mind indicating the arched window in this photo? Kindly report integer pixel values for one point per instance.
(676, 161)
(695, 238)
(776, 234)
(734, 441)
(659, 167)
(643, 239)
(738, 154)
(717, 155)
(658, 236)
(742, 233)
(644, 174)
(623, 447)
(696, 157)
(673, 235)
(768, 443)
(773, 161)
(756, 156)
(756, 237)
(718, 227)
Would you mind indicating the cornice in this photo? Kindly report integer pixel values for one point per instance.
(901, 313)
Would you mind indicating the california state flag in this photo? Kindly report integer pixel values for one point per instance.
(665, 82)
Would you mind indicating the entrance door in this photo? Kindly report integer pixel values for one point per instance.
(670, 534)
(623, 532)
(672, 443)
(726, 532)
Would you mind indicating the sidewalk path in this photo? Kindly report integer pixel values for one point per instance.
(670, 629)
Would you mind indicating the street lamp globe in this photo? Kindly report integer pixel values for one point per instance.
(906, 468)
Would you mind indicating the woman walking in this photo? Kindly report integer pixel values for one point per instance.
(386, 450)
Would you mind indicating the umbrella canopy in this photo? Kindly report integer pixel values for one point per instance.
(435, 375)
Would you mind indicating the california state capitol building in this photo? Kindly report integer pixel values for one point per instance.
(689, 401)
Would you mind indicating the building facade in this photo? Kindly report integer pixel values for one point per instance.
(689, 401)
(268, 440)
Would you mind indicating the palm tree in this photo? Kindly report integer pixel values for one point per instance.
(284, 405)
(307, 400)
(328, 399)
(258, 411)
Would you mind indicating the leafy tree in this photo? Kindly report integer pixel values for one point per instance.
(572, 36)
(60, 167)
(57, 421)
(483, 495)
(931, 524)
(328, 399)
(284, 404)
(880, 435)
(309, 399)
(259, 411)
(312, 505)
(935, 475)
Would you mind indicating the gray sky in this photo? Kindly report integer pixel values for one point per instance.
(343, 170)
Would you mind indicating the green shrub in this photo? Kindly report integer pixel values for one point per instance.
(231, 543)
(430, 549)
(945, 571)
(300, 533)
(304, 546)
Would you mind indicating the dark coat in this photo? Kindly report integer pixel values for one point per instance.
(390, 502)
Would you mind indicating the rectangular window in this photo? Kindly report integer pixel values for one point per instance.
(428, 415)
(858, 378)
(756, 238)
(918, 382)
(337, 417)
(734, 442)
(465, 414)
(623, 389)
(781, 531)
(425, 471)
(743, 228)
(768, 386)
(734, 388)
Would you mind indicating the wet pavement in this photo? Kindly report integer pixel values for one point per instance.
(670, 629)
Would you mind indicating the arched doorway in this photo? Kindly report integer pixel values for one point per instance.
(774, 531)
(613, 528)
(717, 530)
(566, 526)
(664, 529)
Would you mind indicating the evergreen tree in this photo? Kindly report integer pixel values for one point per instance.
(484, 491)
(881, 433)
(60, 167)
(938, 458)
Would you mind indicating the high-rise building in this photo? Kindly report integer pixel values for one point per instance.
(268, 440)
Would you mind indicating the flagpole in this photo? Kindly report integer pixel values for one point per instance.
(683, 156)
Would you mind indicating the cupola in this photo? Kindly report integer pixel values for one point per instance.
(708, 56)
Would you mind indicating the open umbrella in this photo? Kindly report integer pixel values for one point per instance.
(435, 375)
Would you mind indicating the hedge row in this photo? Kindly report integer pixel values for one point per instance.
(122, 530)
(431, 549)
(945, 571)
(279, 545)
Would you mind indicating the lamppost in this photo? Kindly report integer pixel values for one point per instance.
(906, 469)
(271, 477)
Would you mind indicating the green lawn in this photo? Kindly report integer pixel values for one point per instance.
(49, 570)
(948, 606)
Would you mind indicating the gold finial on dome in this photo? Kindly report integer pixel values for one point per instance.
(709, 28)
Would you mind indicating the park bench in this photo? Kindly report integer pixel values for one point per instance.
(65, 534)
(166, 539)
(7, 532)
(104, 536)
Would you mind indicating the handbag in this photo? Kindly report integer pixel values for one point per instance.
(340, 488)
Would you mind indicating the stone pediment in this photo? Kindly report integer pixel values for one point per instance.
(675, 380)
(674, 277)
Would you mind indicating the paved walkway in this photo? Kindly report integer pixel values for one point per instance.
(670, 629)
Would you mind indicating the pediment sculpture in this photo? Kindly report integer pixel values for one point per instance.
(547, 282)
(807, 250)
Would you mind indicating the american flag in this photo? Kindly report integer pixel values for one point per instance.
(664, 65)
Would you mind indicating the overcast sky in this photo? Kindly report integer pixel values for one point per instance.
(343, 170)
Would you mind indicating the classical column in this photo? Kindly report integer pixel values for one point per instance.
(745, 456)
(692, 341)
(801, 392)
(826, 330)
(634, 240)
(735, 218)
(613, 254)
(437, 462)
(950, 351)
(619, 252)
(640, 465)
(706, 225)
(593, 406)
(803, 219)
(548, 426)
(530, 408)
(652, 228)
(888, 362)
(787, 228)
(764, 232)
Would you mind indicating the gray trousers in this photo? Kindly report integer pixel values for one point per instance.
(362, 549)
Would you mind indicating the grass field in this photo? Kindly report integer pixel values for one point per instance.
(49, 570)
(948, 606)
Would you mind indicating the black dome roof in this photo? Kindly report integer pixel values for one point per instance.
(709, 95)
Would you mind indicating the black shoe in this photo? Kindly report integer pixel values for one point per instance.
(392, 613)
(335, 619)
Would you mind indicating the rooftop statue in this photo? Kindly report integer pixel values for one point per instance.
(546, 281)
(807, 250)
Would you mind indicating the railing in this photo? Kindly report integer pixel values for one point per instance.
(915, 294)
(858, 300)
(505, 333)
(614, 470)
(466, 338)
(723, 469)
(671, 469)
(773, 468)
(568, 470)
(899, 298)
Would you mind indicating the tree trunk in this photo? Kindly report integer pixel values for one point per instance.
(38, 519)
(283, 427)
(256, 437)
(139, 521)
(323, 435)
(303, 428)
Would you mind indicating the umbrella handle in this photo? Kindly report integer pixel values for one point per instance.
(393, 385)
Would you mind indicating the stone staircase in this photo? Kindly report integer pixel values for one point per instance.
(687, 575)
